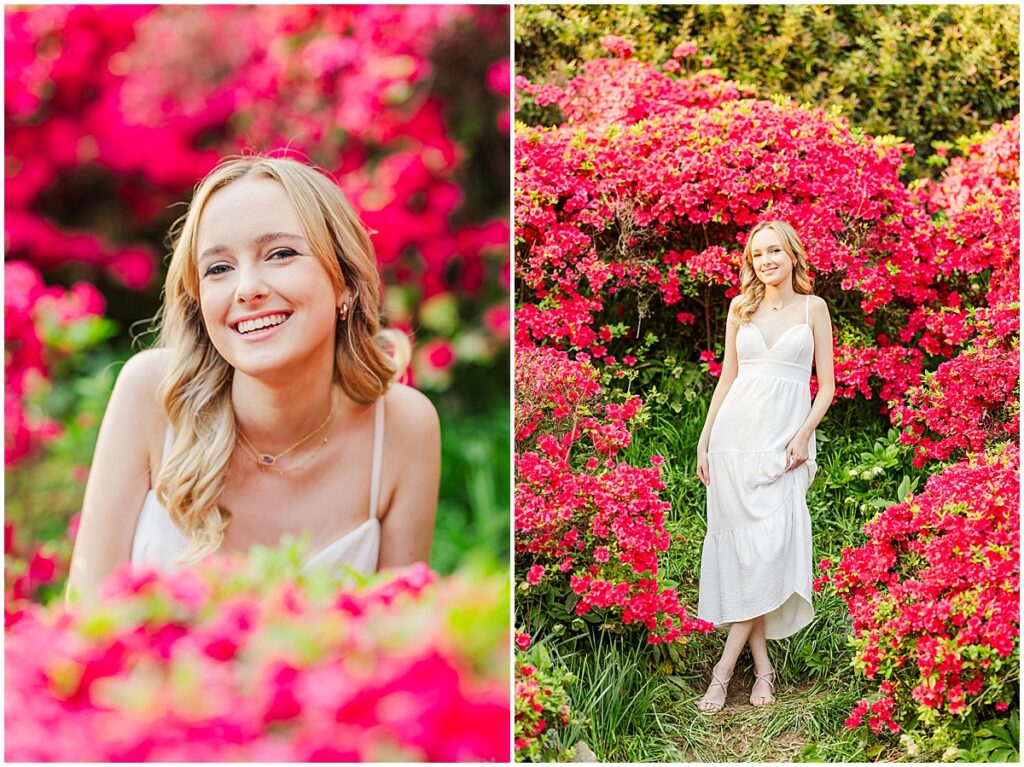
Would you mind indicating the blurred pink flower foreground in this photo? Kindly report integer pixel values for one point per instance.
(239, 661)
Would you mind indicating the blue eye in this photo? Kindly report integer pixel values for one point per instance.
(216, 269)
(283, 253)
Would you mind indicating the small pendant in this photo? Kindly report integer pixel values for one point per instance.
(267, 460)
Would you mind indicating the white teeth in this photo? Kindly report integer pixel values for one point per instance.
(248, 326)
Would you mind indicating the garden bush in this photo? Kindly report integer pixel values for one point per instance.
(924, 72)
(933, 596)
(541, 699)
(588, 526)
(249, 660)
(633, 212)
(45, 326)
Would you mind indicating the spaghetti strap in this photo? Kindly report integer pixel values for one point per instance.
(168, 441)
(378, 451)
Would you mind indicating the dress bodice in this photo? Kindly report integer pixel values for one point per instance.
(789, 357)
(159, 542)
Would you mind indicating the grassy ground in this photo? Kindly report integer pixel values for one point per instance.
(636, 704)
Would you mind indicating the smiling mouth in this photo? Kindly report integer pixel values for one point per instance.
(246, 327)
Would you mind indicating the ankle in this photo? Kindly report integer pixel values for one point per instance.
(723, 670)
(764, 670)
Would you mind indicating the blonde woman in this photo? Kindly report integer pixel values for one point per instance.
(756, 458)
(268, 406)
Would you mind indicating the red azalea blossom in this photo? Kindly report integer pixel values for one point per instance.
(597, 532)
(937, 585)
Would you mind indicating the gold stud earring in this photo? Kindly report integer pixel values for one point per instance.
(344, 311)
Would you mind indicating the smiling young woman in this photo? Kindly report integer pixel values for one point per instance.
(756, 455)
(269, 405)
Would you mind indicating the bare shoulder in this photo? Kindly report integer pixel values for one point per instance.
(733, 305)
(142, 372)
(410, 414)
(136, 397)
(819, 308)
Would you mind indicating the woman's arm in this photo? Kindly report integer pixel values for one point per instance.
(413, 451)
(821, 326)
(119, 477)
(730, 366)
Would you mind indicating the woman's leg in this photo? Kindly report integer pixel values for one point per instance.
(764, 684)
(714, 698)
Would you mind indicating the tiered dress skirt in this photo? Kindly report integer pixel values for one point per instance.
(757, 556)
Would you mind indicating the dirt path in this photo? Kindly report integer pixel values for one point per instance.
(743, 733)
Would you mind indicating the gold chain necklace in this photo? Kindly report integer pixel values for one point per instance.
(780, 308)
(266, 460)
(294, 466)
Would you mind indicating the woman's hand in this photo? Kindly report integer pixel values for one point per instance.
(703, 472)
(796, 451)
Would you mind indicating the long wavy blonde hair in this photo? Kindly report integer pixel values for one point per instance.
(751, 288)
(196, 387)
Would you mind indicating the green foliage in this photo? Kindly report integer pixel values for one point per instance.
(473, 512)
(997, 740)
(924, 72)
(633, 706)
(43, 494)
(862, 469)
(542, 681)
(613, 691)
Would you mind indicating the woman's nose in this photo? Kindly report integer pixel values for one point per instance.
(252, 284)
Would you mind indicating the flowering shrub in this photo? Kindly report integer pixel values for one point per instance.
(933, 596)
(592, 527)
(971, 400)
(835, 54)
(238, 660)
(636, 207)
(542, 703)
(33, 572)
(977, 235)
(135, 104)
(43, 325)
(551, 389)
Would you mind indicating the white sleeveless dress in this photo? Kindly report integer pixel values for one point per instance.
(159, 542)
(757, 552)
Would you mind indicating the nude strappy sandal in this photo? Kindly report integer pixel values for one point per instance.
(766, 700)
(715, 706)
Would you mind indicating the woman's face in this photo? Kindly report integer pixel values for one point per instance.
(772, 264)
(268, 303)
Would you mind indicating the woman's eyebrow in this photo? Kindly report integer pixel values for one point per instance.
(263, 239)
